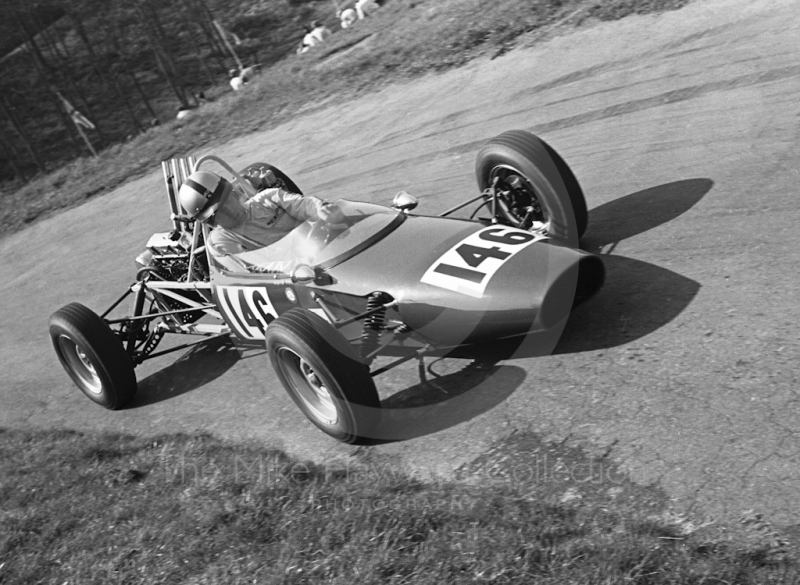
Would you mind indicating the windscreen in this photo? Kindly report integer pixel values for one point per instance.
(351, 227)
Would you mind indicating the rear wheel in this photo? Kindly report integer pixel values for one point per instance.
(321, 373)
(93, 356)
(536, 188)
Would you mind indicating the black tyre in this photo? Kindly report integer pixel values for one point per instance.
(283, 178)
(93, 356)
(545, 191)
(320, 371)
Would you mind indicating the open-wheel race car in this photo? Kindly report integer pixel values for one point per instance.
(381, 282)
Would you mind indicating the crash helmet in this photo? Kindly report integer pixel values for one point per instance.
(203, 193)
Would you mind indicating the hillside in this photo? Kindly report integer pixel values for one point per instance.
(404, 39)
(125, 66)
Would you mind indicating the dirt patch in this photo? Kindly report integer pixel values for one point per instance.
(560, 473)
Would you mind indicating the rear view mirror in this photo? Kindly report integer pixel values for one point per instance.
(404, 201)
(303, 274)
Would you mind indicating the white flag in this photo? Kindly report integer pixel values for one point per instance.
(77, 117)
(230, 35)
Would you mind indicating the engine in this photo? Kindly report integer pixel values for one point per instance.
(167, 258)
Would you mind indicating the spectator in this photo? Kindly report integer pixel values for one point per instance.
(348, 16)
(316, 34)
(248, 73)
(237, 82)
(319, 33)
(366, 7)
(200, 99)
(305, 44)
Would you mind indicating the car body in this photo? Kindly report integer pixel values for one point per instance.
(381, 281)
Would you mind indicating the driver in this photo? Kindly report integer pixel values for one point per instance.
(241, 226)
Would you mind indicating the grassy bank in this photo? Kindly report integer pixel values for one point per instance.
(405, 39)
(99, 508)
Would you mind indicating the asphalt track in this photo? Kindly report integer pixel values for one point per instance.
(683, 130)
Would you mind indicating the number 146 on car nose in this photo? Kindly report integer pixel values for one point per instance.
(469, 266)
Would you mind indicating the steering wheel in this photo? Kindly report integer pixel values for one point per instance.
(320, 232)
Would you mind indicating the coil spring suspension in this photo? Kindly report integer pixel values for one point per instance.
(152, 342)
(371, 333)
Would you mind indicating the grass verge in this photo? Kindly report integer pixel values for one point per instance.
(405, 39)
(102, 508)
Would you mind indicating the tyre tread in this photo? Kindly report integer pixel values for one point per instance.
(541, 155)
(76, 318)
(338, 356)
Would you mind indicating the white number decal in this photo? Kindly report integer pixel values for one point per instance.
(468, 266)
(247, 309)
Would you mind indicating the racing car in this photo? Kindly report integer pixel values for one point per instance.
(380, 287)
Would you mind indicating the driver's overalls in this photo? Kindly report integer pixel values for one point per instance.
(270, 215)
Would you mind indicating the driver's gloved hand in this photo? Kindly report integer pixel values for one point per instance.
(262, 179)
(331, 213)
(267, 179)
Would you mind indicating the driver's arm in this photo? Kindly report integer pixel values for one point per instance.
(223, 247)
(300, 207)
(233, 252)
(235, 258)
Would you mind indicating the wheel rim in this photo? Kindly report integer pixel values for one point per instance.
(80, 364)
(539, 220)
(308, 386)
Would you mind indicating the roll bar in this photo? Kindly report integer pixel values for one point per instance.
(176, 171)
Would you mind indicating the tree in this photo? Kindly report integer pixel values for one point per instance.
(106, 76)
(19, 129)
(151, 27)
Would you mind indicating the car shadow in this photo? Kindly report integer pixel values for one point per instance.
(639, 212)
(636, 299)
(440, 402)
(200, 365)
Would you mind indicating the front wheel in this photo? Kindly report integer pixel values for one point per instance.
(321, 373)
(92, 356)
(536, 188)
